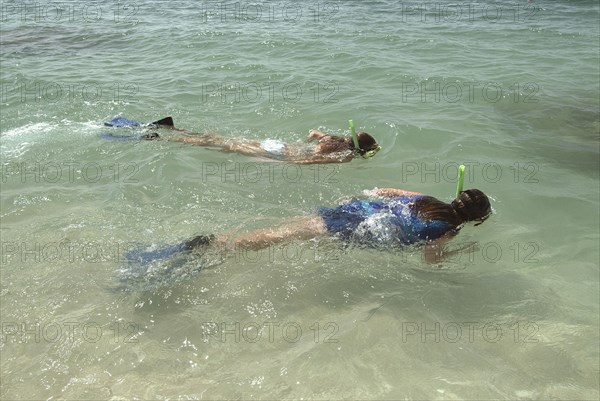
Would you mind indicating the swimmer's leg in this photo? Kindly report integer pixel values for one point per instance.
(204, 139)
(243, 147)
(248, 148)
(170, 264)
(300, 228)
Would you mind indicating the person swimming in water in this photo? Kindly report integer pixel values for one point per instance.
(325, 149)
(389, 218)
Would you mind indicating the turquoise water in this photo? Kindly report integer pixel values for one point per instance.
(511, 89)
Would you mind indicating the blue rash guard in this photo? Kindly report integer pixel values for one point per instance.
(391, 221)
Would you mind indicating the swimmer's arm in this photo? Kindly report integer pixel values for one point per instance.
(390, 192)
(379, 192)
(435, 251)
(323, 159)
(318, 135)
(318, 155)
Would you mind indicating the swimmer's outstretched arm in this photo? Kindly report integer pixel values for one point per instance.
(436, 251)
(390, 192)
(378, 192)
(317, 135)
(323, 159)
(320, 136)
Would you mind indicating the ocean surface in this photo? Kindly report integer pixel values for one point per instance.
(509, 88)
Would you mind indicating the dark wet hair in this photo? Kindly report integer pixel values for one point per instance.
(340, 143)
(365, 141)
(471, 204)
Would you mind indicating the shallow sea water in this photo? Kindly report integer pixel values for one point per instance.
(511, 89)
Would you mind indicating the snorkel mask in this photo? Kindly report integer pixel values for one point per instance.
(365, 154)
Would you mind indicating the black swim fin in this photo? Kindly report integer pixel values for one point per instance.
(167, 122)
(124, 122)
(147, 269)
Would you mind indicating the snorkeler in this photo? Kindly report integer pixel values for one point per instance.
(326, 149)
(392, 217)
(388, 218)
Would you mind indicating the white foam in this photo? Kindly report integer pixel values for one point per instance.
(13, 143)
(378, 227)
(29, 129)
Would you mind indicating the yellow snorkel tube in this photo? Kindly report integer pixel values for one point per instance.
(461, 179)
(365, 155)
